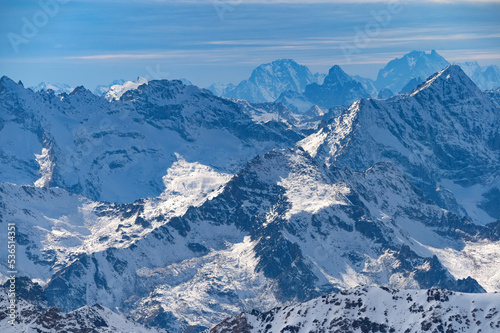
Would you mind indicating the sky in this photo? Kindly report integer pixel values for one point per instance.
(91, 42)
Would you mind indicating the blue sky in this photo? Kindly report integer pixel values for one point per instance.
(90, 42)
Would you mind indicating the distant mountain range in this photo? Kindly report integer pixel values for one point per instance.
(56, 87)
(295, 85)
(268, 82)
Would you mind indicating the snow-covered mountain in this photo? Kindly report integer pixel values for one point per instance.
(485, 77)
(338, 88)
(396, 74)
(176, 209)
(295, 101)
(261, 240)
(444, 136)
(119, 151)
(220, 89)
(268, 81)
(34, 315)
(102, 89)
(375, 309)
(56, 87)
(116, 91)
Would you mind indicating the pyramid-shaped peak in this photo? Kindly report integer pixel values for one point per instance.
(6, 80)
(336, 75)
(447, 82)
(80, 90)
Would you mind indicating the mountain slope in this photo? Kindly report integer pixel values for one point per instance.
(268, 81)
(338, 88)
(34, 315)
(485, 77)
(444, 136)
(120, 150)
(265, 239)
(398, 72)
(374, 309)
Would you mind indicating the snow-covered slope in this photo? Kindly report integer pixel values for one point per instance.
(485, 77)
(375, 309)
(221, 214)
(444, 136)
(338, 88)
(120, 150)
(268, 81)
(116, 91)
(266, 239)
(396, 74)
(102, 89)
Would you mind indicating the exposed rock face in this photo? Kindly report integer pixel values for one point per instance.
(119, 151)
(34, 315)
(375, 309)
(338, 88)
(400, 193)
(443, 136)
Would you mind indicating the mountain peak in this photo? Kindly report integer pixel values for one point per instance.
(284, 61)
(337, 75)
(447, 83)
(275, 67)
(398, 72)
(79, 90)
(6, 80)
(268, 81)
(7, 83)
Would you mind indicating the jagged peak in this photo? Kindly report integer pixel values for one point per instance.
(7, 81)
(284, 61)
(80, 90)
(7, 84)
